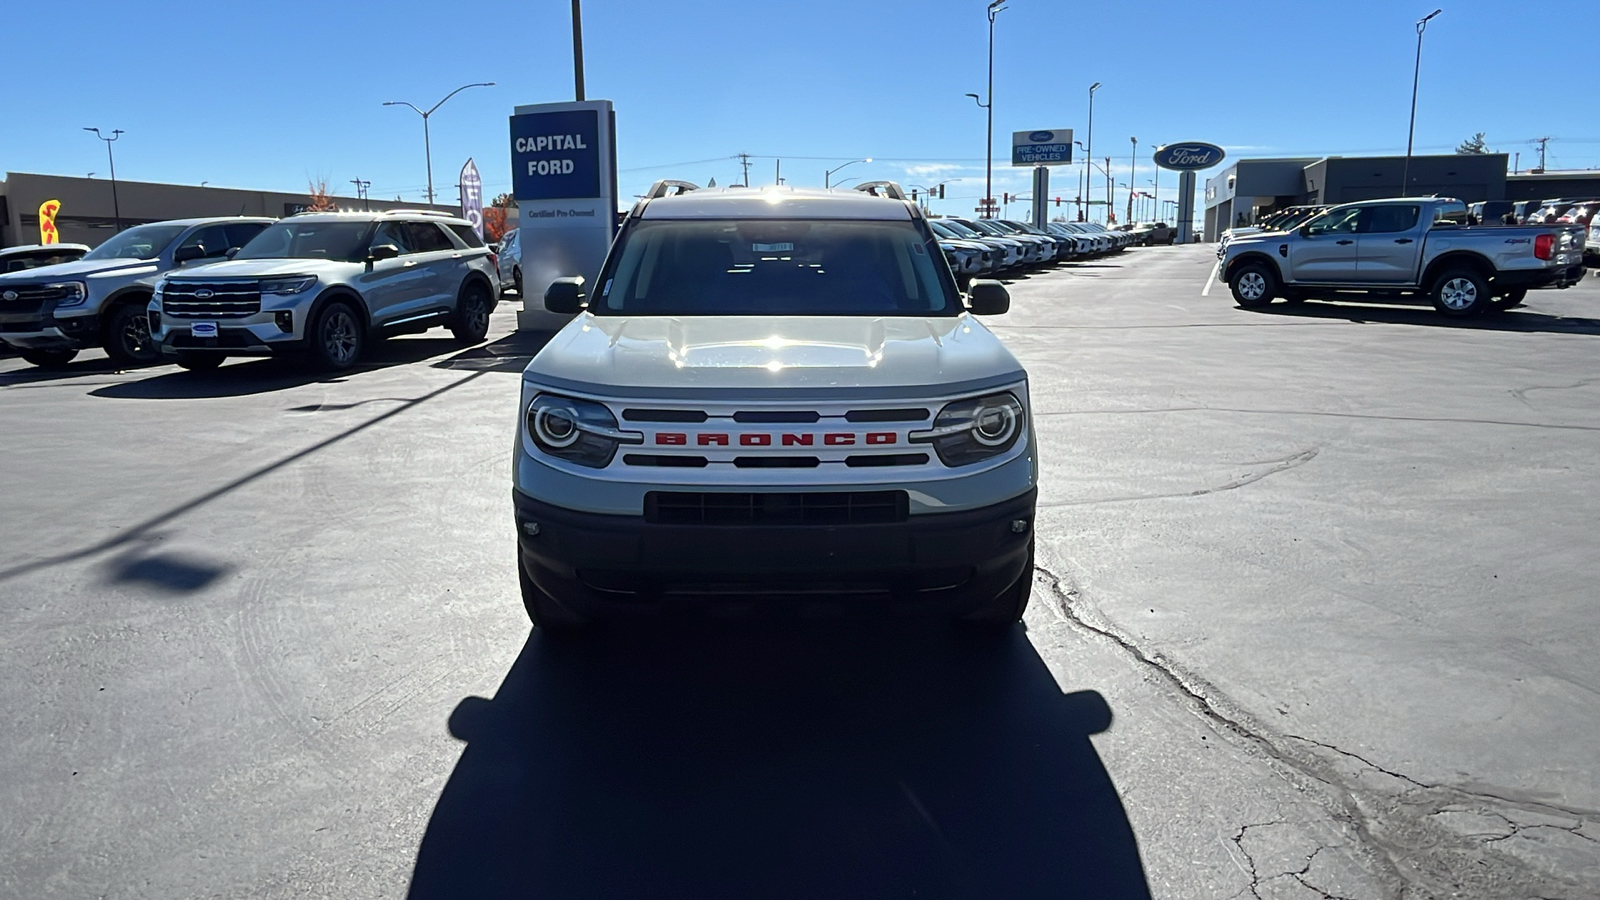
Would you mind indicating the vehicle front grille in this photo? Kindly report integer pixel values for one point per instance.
(818, 508)
(29, 299)
(203, 300)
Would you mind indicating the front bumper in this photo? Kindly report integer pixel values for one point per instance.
(605, 565)
(255, 335)
(48, 332)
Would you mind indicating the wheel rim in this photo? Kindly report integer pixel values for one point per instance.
(339, 337)
(1458, 293)
(136, 336)
(477, 314)
(1252, 286)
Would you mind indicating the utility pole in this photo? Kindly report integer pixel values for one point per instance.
(116, 207)
(577, 48)
(744, 160)
(361, 192)
(1540, 141)
(988, 169)
(1405, 176)
(777, 172)
(1110, 186)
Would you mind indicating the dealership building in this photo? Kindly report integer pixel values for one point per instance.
(1251, 188)
(88, 213)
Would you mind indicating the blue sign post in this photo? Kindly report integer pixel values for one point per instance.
(564, 178)
(1044, 147)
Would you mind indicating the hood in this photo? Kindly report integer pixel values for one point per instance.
(963, 244)
(247, 268)
(667, 356)
(82, 268)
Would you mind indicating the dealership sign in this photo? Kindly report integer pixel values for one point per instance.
(556, 155)
(1189, 156)
(1043, 147)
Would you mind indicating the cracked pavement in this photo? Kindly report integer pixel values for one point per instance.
(1331, 568)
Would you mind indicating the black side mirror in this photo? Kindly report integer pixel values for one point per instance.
(565, 295)
(988, 298)
(184, 254)
(232, 252)
(382, 252)
(1305, 231)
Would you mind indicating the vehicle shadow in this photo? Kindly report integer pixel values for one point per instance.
(876, 760)
(1520, 319)
(78, 368)
(260, 376)
(511, 353)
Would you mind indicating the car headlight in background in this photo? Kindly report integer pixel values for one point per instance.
(293, 284)
(972, 430)
(74, 292)
(578, 431)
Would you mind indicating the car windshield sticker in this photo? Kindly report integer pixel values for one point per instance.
(772, 248)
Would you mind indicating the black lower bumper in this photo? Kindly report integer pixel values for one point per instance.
(598, 565)
(46, 332)
(230, 342)
(1563, 277)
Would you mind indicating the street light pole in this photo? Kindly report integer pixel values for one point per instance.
(577, 49)
(827, 176)
(1405, 177)
(988, 169)
(1133, 161)
(1088, 147)
(427, 140)
(116, 207)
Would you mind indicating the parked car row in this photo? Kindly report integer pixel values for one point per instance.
(987, 247)
(196, 291)
(1283, 220)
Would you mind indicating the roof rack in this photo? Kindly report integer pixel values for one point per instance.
(662, 187)
(889, 189)
(420, 212)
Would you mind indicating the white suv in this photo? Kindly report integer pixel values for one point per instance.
(326, 283)
(774, 394)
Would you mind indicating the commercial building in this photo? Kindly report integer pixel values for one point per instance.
(1251, 188)
(88, 214)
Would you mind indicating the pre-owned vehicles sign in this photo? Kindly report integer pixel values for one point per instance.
(1042, 147)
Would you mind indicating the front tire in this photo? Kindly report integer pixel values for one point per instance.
(127, 337)
(338, 338)
(1253, 286)
(516, 279)
(1511, 299)
(470, 324)
(1460, 293)
(49, 359)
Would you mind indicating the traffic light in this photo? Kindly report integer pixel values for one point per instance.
(941, 192)
(1058, 203)
(1006, 196)
(913, 195)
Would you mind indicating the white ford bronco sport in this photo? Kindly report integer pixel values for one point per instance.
(324, 284)
(774, 394)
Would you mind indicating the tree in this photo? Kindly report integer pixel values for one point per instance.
(1473, 145)
(321, 200)
(494, 217)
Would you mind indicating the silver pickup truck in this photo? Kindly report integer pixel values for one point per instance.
(1411, 248)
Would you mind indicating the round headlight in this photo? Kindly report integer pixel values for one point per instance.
(556, 426)
(995, 426)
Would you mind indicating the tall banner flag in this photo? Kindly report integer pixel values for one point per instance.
(472, 196)
(47, 222)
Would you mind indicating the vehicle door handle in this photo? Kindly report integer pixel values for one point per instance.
(410, 263)
(1402, 240)
(1345, 241)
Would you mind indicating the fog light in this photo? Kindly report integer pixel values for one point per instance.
(1018, 526)
(531, 528)
(285, 320)
(155, 320)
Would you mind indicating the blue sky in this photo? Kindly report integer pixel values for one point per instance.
(272, 95)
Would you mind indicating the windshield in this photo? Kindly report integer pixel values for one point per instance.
(961, 229)
(776, 267)
(309, 240)
(139, 242)
(988, 227)
(944, 231)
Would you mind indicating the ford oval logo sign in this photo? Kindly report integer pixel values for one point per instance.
(1189, 156)
(8, 296)
(1042, 137)
(204, 294)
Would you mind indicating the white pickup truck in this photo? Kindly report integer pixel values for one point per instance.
(1408, 248)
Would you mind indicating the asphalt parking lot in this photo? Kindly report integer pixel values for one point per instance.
(1330, 568)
